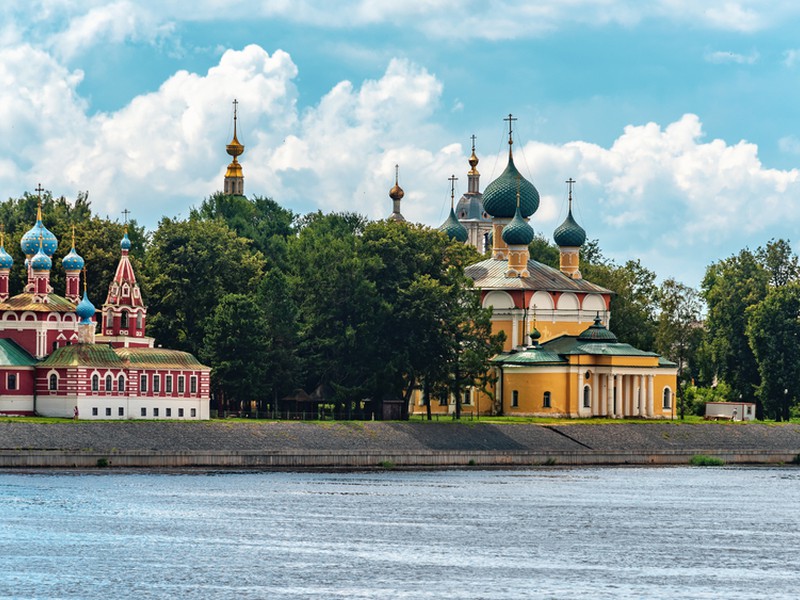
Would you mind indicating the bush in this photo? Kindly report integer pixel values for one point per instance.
(102, 462)
(701, 460)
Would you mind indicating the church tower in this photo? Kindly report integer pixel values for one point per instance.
(6, 262)
(38, 245)
(452, 228)
(73, 264)
(124, 312)
(234, 179)
(469, 210)
(569, 236)
(396, 194)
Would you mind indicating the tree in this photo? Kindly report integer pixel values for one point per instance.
(545, 252)
(779, 261)
(191, 264)
(773, 331)
(235, 344)
(730, 287)
(679, 333)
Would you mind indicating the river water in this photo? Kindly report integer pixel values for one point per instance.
(547, 533)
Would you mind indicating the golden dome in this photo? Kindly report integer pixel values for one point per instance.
(396, 193)
(473, 160)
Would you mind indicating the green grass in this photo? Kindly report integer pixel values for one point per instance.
(702, 460)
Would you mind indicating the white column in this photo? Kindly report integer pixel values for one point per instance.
(609, 395)
(514, 329)
(579, 398)
(635, 404)
(603, 396)
(595, 394)
(650, 379)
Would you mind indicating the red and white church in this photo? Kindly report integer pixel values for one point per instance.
(52, 362)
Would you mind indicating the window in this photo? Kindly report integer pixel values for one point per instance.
(194, 412)
(467, 397)
(108, 411)
(749, 410)
(144, 412)
(55, 346)
(587, 397)
(443, 400)
(123, 322)
(143, 383)
(11, 381)
(193, 384)
(156, 383)
(109, 385)
(121, 383)
(667, 398)
(94, 411)
(181, 384)
(121, 411)
(53, 382)
(95, 382)
(180, 412)
(515, 398)
(139, 321)
(168, 384)
(546, 400)
(155, 412)
(169, 412)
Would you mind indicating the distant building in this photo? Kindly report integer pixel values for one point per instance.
(560, 359)
(52, 363)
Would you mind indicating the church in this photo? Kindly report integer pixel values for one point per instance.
(54, 364)
(560, 358)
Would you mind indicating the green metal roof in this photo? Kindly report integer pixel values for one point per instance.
(55, 303)
(568, 345)
(569, 233)
(13, 355)
(84, 355)
(454, 229)
(534, 355)
(500, 196)
(159, 358)
(518, 232)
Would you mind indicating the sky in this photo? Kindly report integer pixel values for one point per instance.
(677, 118)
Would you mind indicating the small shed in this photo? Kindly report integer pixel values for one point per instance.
(730, 411)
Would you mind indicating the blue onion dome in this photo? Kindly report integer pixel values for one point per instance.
(85, 309)
(597, 332)
(453, 228)
(6, 262)
(30, 241)
(72, 261)
(125, 244)
(40, 261)
(569, 233)
(518, 232)
(500, 196)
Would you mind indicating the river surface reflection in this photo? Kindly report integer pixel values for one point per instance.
(547, 533)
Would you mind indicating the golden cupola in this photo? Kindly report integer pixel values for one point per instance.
(234, 178)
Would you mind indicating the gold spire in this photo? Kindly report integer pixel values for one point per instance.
(234, 148)
(39, 190)
(396, 193)
(84, 280)
(73, 237)
(473, 160)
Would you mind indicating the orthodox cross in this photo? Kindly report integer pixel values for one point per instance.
(510, 120)
(473, 138)
(125, 213)
(452, 179)
(235, 105)
(570, 181)
(396, 174)
(40, 189)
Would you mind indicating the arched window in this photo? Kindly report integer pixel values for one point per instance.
(95, 382)
(108, 383)
(53, 382)
(123, 322)
(139, 321)
(667, 398)
(587, 397)
(121, 383)
(109, 320)
(546, 400)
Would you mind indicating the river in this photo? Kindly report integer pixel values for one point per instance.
(553, 532)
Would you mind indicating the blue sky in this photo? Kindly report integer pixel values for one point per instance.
(677, 118)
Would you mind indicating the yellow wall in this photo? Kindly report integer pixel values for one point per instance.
(531, 388)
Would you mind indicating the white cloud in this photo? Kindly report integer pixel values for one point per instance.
(724, 56)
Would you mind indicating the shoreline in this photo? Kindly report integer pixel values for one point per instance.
(381, 445)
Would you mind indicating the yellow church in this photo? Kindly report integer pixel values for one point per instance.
(560, 357)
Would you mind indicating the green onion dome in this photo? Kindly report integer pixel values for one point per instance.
(40, 261)
(518, 232)
(72, 261)
(535, 336)
(30, 241)
(85, 310)
(500, 196)
(569, 233)
(6, 262)
(597, 332)
(125, 244)
(453, 228)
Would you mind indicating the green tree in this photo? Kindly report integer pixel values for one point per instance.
(773, 331)
(544, 251)
(730, 287)
(679, 332)
(236, 345)
(191, 264)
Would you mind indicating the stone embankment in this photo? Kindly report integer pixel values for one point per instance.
(299, 445)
